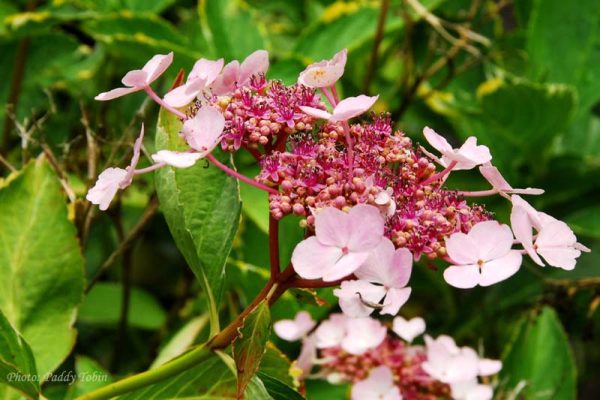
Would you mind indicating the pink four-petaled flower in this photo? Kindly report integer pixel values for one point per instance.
(468, 156)
(203, 74)
(378, 386)
(235, 74)
(483, 257)
(384, 275)
(139, 79)
(324, 73)
(294, 329)
(202, 133)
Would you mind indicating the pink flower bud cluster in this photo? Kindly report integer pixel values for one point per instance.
(262, 113)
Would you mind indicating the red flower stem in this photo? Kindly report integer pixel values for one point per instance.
(314, 283)
(440, 174)
(162, 103)
(239, 176)
(274, 247)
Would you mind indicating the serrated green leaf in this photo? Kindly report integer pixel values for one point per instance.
(276, 365)
(17, 366)
(541, 357)
(40, 264)
(277, 389)
(102, 306)
(202, 208)
(249, 346)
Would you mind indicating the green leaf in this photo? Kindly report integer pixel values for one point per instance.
(276, 365)
(17, 366)
(202, 208)
(102, 306)
(541, 357)
(279, 390)
(40, 264)
(210, 380)
(249, 346)
(528, 115)
(181, 341)
(586, 221)
(234, 32)
(90, 376)
(563, 45)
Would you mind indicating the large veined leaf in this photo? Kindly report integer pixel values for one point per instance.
(202, 208)
(210, 380)
(40, 264)
(541, 357)
(17, 366)
(249, 346)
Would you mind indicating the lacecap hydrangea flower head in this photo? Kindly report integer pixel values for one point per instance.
(372, 204)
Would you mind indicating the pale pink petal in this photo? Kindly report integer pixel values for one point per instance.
(462, 276)
(136, 78)
(157, 65)
(408, 330)
(462, 367)
(495, 178)
(207, 70)
(491, 239)
(581, 247)
(560, 257)
(331, 332)
(106, 187)
(351, 107)
(137, 149)
(225, 82)
(324, 73)
(178, 159)
(555, 234)
(294, 329)
(379, 262)
(394, 299)
(351, 295)
(399, 274)
(366, 228)
(311, 259)
(203, 132)
(315, 112)
(461, 249)
(308, 355)
(363, 334)
(346, 265)
(118, 92)
(489, 367)
(180, 96)
(501, 268)
(378, 386)
(521, 226)
(332, 227)
(535, 216)
(255, 63)
(436, 141)
(477, 154)
(471, 390)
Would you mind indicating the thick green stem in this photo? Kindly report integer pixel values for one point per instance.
(174, 367)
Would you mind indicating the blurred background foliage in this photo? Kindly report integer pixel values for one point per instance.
(520, 75)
